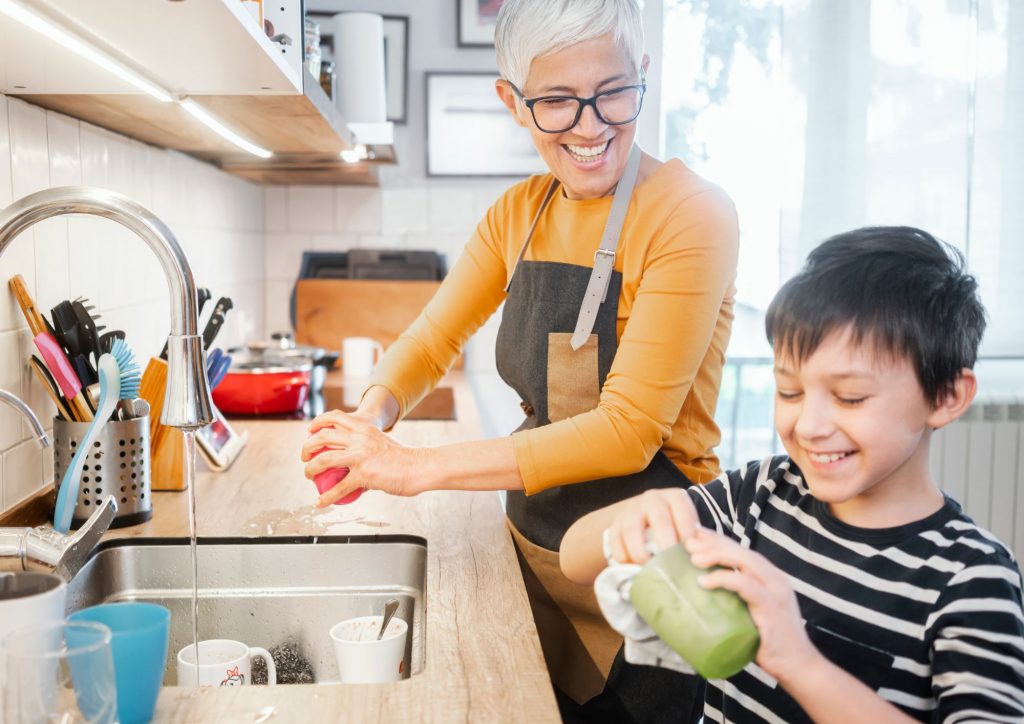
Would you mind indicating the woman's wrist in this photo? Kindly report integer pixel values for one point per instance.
(379, 407)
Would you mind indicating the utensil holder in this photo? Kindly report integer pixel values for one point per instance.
(118, 464)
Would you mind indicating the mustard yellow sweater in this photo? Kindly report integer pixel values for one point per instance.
(677, 254)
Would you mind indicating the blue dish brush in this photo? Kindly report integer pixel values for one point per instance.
(120, 378)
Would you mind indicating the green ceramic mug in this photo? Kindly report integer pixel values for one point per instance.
(711, 629)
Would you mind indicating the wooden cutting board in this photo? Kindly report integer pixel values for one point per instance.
(439, 403)
(328, 310)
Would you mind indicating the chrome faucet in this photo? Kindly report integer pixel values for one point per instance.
(26, 412)
(43, 548)
(187, 399)
(187, 402)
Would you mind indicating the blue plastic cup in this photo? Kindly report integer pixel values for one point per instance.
(139, 643)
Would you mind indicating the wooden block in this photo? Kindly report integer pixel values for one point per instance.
(154, 380)
(328, 310)
(167, 465)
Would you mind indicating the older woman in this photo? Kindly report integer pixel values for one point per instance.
(616, 272)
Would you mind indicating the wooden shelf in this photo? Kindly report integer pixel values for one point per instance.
(212, 52)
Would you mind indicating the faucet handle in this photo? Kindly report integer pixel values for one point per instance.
(78, 547)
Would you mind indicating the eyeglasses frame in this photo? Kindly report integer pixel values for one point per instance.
(581, 104)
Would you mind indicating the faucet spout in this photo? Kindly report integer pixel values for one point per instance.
(27, 413)
(187, 399)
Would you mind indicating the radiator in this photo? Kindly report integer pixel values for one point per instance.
(979, 460)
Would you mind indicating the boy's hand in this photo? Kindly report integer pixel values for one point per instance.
(667, 512)
(785, 647)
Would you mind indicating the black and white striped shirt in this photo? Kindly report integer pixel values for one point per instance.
(929, 614)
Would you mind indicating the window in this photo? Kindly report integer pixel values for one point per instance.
(818, 116)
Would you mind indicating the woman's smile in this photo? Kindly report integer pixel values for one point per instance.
(588, 155)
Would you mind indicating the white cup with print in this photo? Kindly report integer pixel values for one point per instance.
(359, 355)
(222, 662)
(362, 657)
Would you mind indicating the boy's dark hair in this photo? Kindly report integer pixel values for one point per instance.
(897, 287)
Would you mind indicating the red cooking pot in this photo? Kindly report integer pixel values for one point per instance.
(264, 386)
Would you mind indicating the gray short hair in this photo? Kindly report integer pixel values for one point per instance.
(527, 29)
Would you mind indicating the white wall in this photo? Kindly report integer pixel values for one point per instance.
(217, 218)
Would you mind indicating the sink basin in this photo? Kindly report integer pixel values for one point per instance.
(265, 592)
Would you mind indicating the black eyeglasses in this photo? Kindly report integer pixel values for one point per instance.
(558, 114)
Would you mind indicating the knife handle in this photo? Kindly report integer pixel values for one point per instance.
(216, 320)
(203, 295)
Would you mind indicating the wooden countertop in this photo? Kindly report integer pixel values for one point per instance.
(483, 660)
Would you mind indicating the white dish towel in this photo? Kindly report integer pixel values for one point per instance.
(642, 645)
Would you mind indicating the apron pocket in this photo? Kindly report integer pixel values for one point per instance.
(573, 378)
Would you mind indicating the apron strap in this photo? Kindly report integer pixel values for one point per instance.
(604, 257)
(529, 235)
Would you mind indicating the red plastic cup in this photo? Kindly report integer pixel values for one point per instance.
(332, 476)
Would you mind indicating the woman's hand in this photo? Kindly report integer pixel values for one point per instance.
(375, 461)
(785, 647)
(667, 512)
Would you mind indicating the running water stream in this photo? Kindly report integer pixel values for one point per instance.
(190, 486)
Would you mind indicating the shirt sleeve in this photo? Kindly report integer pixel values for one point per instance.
(690, 266)
(469, 294)
(977, 635)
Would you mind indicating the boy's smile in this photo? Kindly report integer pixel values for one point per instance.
(857, 423)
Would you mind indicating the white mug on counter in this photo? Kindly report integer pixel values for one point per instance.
(222, 662)
(359, 355)
(28, 599)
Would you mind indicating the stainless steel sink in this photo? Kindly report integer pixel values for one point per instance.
(266, 592)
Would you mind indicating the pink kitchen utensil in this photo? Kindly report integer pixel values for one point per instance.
(331, 477)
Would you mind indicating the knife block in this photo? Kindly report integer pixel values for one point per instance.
(167, 445)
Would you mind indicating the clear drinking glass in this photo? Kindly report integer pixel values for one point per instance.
(60, 672)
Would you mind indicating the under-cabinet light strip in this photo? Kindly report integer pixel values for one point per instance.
(41, 25)
(23, 15)
(223, 130)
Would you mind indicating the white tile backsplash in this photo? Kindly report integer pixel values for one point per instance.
(357, 210)
(217, 219)
(52, 269)
(311, 208)
(30, 165)
(452, 210)
(65, 151)
(275, 208)
(22, 471)
(404, 211)
(6, 194)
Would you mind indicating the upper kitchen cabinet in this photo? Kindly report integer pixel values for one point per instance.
(198, 76)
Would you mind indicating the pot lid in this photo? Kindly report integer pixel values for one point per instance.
(268, 362)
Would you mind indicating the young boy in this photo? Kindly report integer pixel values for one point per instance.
(876, 597)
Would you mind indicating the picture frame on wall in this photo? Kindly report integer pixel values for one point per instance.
(396, 60)
(475, 20)
(470, 131)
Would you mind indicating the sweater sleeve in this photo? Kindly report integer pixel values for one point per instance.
(469, 294)
(690, 265)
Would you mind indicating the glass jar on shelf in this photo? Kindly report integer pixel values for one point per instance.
(312, 46)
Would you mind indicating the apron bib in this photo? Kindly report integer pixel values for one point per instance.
(546, 353)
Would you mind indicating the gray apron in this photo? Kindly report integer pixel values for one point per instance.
(547, 354)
